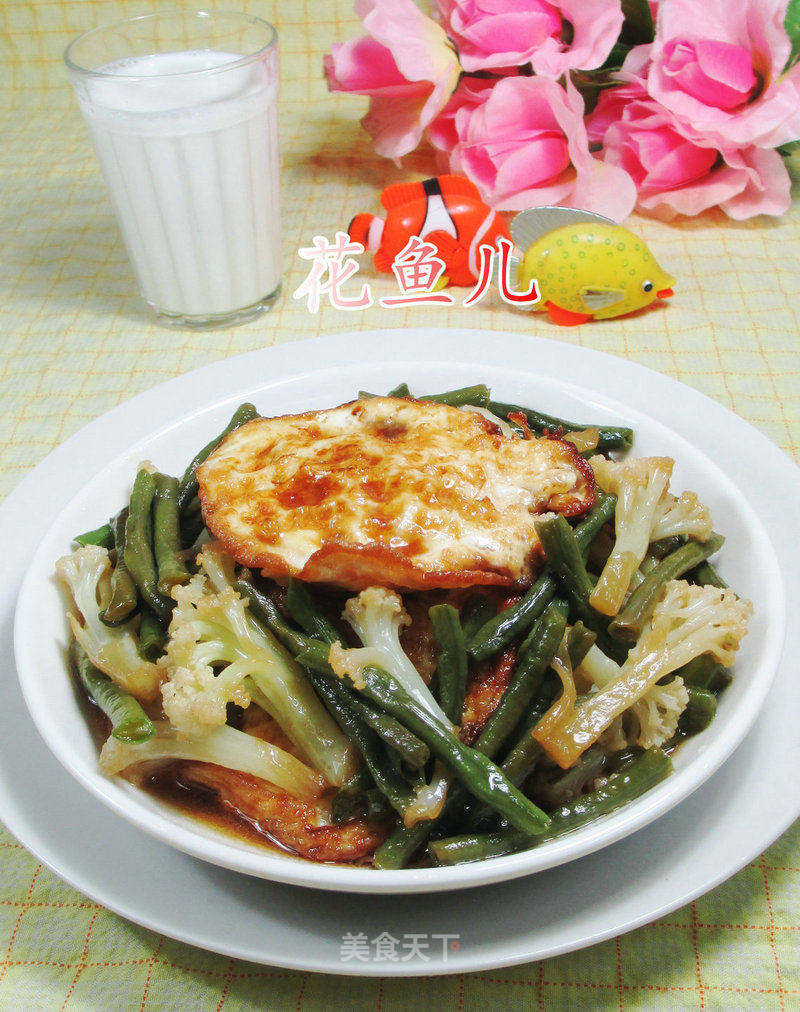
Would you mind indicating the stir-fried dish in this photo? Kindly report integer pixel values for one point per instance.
(404, 630)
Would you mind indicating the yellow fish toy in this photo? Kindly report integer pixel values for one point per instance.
(586, 266)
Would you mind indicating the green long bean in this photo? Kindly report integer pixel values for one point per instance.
(352, 795)
(626, 785)
(706, 576)
(370, 803)
(699, 713)
(665, 546)
(476, 771)
(302, 609)
(401, 390)
(525, 755)
(451, 662)
(102, 536)
(401, 846)
(506, 626)
(337, 700)
(187, 487)
(124, 598)
(705, 672)
(616, 437)
(404, 842)
(129, 722)
(477, 394)
(534, 658)
(167, 545)
(629, 623)
(152, 634)
(580, 641)
(478, 610)
(138, 555)
(559, 787)
(563, 553)
(407, 745)
(266, 610)
(192, 523)
(335, 695)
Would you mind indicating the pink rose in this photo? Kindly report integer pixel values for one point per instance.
(406, 65)
(522, 141)
(471, 93)
(555, 36)
(673, 175)
(718, 68)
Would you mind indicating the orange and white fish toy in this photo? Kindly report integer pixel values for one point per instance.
(446, 211)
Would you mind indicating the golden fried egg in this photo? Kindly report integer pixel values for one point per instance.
(395, 492)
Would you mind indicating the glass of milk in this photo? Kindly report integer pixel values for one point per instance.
(182, 109)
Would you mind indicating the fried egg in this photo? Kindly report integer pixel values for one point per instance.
(396, 492)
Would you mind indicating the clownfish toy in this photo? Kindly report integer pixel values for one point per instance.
(446, 211)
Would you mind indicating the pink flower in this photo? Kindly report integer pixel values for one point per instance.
(673, 175)
(718, 68)
(554, 35)
(471, 93)
(522, 141)
(406, 65)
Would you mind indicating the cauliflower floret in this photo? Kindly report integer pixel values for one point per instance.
(683, 514)
(646, 511)
(218, 654)
(686, 622)
(351, 661)
(377, 615)
(691, 620)
(639, 486)
(653, 719)
(224, 746)
(112, 649)
(194, 697)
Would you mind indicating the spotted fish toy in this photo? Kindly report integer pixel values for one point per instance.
(587, 267)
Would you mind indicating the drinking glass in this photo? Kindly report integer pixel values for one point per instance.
(182, 110)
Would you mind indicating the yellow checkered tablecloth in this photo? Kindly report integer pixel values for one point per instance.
(76, 341)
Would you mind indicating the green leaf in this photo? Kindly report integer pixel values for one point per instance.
(616, 57)
(638, 28)
(792, 25)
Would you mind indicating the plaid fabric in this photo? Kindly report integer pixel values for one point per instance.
(76, 342)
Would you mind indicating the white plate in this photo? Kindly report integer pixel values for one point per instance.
(722, 826)
(749, 564)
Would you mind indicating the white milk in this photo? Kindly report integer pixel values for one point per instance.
(191, 163)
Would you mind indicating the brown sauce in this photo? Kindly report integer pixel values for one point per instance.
(204, 807)
(167, 785)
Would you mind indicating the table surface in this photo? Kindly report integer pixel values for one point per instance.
(77, 341)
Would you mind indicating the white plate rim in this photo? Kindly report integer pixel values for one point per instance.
(559, 351)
